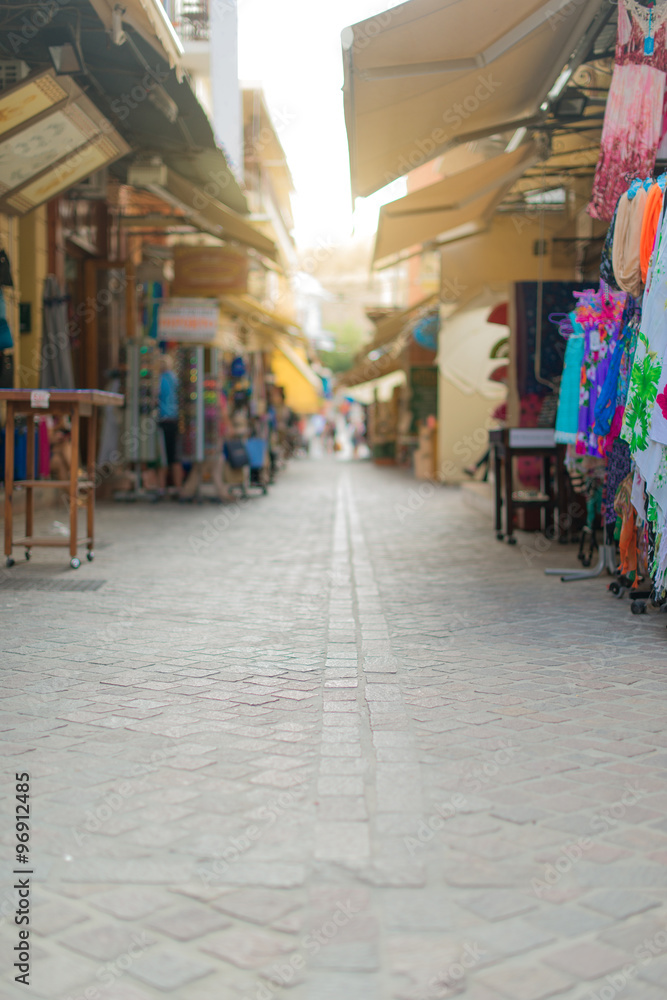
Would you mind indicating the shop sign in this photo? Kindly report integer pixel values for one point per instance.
(188, 320)
(209, 271)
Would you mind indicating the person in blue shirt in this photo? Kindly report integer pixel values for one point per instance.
(168, 419)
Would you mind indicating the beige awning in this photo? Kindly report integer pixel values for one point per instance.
(383, 354)
(205, 212)
(258, 315)
(428, 73)
(51, 137)
(468, 196)
(388, 329)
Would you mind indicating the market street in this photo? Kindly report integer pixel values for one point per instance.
(338, 745)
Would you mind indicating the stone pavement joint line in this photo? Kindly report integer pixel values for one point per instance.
(340, 754)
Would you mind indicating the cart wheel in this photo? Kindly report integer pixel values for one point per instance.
(75, 562)
(511, 540)
(90, 555)
(9, 562)
(27, 554)
(615, 587)
(638, 607)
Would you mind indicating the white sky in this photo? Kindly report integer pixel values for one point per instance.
(292, 49)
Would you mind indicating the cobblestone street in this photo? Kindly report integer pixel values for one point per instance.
(337, 744)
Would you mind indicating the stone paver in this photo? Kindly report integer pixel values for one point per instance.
(335, 744)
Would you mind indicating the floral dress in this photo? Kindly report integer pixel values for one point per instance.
(600, 314)
(633, 120)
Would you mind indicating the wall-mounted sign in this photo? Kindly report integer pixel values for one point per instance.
(209, 271)
(70, 140)
(188, 320)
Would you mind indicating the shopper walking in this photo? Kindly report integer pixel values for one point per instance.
(168, 418)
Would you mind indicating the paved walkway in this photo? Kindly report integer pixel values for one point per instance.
(341, 746)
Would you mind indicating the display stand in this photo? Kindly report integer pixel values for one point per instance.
(141, 413)
(509, 443)
(76, 403)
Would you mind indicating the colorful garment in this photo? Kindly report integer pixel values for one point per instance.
(626, 251)
(600, 314)
(618, 469)
(567, 417)
(606, 261)
(633, 119)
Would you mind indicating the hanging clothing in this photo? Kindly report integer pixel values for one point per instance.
(606, 259)
(633, 119)
(567, 417)
(57, 371)
(650, 224)
(618, 469)
(600, 314)
(626, 251)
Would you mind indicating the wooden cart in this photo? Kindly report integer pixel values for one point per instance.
(77, 403)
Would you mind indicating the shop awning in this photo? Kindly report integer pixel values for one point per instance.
(428, 73)
(468, 196)
(129, 62)
(388, 329)
(304, 389)
(258, 315)
(51, 136)
(383, 354)
(207, 213)
(384, 387)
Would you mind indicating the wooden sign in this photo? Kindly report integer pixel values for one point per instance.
(207, 272)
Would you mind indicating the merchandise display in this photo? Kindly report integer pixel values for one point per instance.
(619, 342)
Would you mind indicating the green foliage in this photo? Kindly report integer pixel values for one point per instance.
(349, 339)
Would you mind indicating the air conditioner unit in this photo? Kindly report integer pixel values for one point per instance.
(93, 188)
(11, 72)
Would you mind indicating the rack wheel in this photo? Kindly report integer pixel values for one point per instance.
(500, 536)
(90, 555)
(638, 607)
(9, 562)
(615, 587)
(511, 540)
(27, 554)
(75, 562)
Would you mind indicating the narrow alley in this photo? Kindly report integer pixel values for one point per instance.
(336, 743)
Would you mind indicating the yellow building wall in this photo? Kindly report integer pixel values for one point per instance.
(300, 395)
(505, 252)
(33, 264)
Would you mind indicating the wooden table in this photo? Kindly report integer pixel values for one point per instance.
(509, 443)
(77, 403)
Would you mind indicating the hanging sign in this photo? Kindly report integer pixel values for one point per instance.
(188, 320)
(209, 271)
